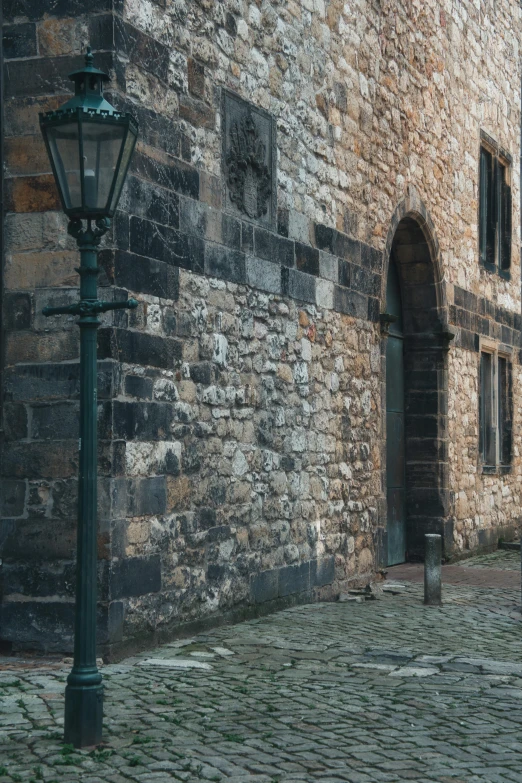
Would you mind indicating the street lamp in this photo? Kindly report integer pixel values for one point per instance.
(90, 145)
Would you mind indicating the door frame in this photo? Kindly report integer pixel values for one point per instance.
(426, 343)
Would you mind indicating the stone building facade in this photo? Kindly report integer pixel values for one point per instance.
(288, 150)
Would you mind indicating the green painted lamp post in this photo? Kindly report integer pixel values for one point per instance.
(90, 145)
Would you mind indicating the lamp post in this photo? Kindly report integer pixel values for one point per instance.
(90, 145)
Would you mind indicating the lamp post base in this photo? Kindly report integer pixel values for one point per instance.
(83, 715)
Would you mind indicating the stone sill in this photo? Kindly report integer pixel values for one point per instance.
(493, 470)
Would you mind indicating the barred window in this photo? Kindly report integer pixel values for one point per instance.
(495, 410)
(495, 208)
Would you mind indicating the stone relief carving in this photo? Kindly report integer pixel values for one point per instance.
(248, 175)
(248, 159)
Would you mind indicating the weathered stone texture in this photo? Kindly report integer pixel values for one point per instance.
(241, 405)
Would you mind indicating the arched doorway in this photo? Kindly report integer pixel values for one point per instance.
(416, 395)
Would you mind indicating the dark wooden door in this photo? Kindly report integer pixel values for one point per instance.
(395, 461)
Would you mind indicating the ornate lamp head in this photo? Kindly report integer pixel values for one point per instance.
(90, 145)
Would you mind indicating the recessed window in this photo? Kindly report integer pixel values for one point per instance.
(495, 410)
(495, 211)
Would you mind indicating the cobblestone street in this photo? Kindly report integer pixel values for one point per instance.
(376, 690)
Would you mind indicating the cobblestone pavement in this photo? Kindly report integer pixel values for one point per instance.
(381, 690)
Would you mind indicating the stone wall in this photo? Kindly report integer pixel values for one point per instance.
(241, 413)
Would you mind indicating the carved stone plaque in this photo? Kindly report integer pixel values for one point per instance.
(249, 160)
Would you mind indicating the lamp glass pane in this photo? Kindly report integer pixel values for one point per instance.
(130, 141)
(63, 143)
(101, 150)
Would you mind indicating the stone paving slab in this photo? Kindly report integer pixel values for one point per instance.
(458, 575)
(385, 690)
(500, 569)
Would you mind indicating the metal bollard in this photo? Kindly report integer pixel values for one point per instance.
(432, 569)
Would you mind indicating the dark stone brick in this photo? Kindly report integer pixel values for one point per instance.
(422, 403)
(169, 321)
(39, 460)
(196, 112)
(503, 317)
(217, 492)
(102, 32)
(231, 24)
(135, 576)
(218, 534)
(46, 76)
(37, 580)
(324, 237)
(365, 281)
(152, 55)
(247, 238)
(146, 276)
(433, 502)
(345, 273)
(196, 77)
(38, 9)
(215, 572)
(143, 199)
(482, 325)
(175, 175)
(463, 318)
(323, 571)
(17, 311)
(225, 264)
(467, 340)
(137, 386)
(263, 244)
(422, 426)
(191, 458)
(465, 299)
(141, 420)
(12, 498)
(19, 40)
(283, 251)
(15, 421)
(371, 258)
(206, 518)
(55, 422)
(231, 231)
(374, 309)
(151, 496)
(55, 381)
(65, 499)
(164, 244)
(287, 462)
(507, 336)
(41, 625)
(350, 302)
(186, 148)
(307, 259)
(35, 539)
(294, 579)
(202, 372)
(115, 621)
(298, 285)
(347, 248)
(155, 131)
(265, 586)
(282, 222)
(139, 348)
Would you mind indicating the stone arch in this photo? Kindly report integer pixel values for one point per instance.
(412, 208)
(412, 244)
